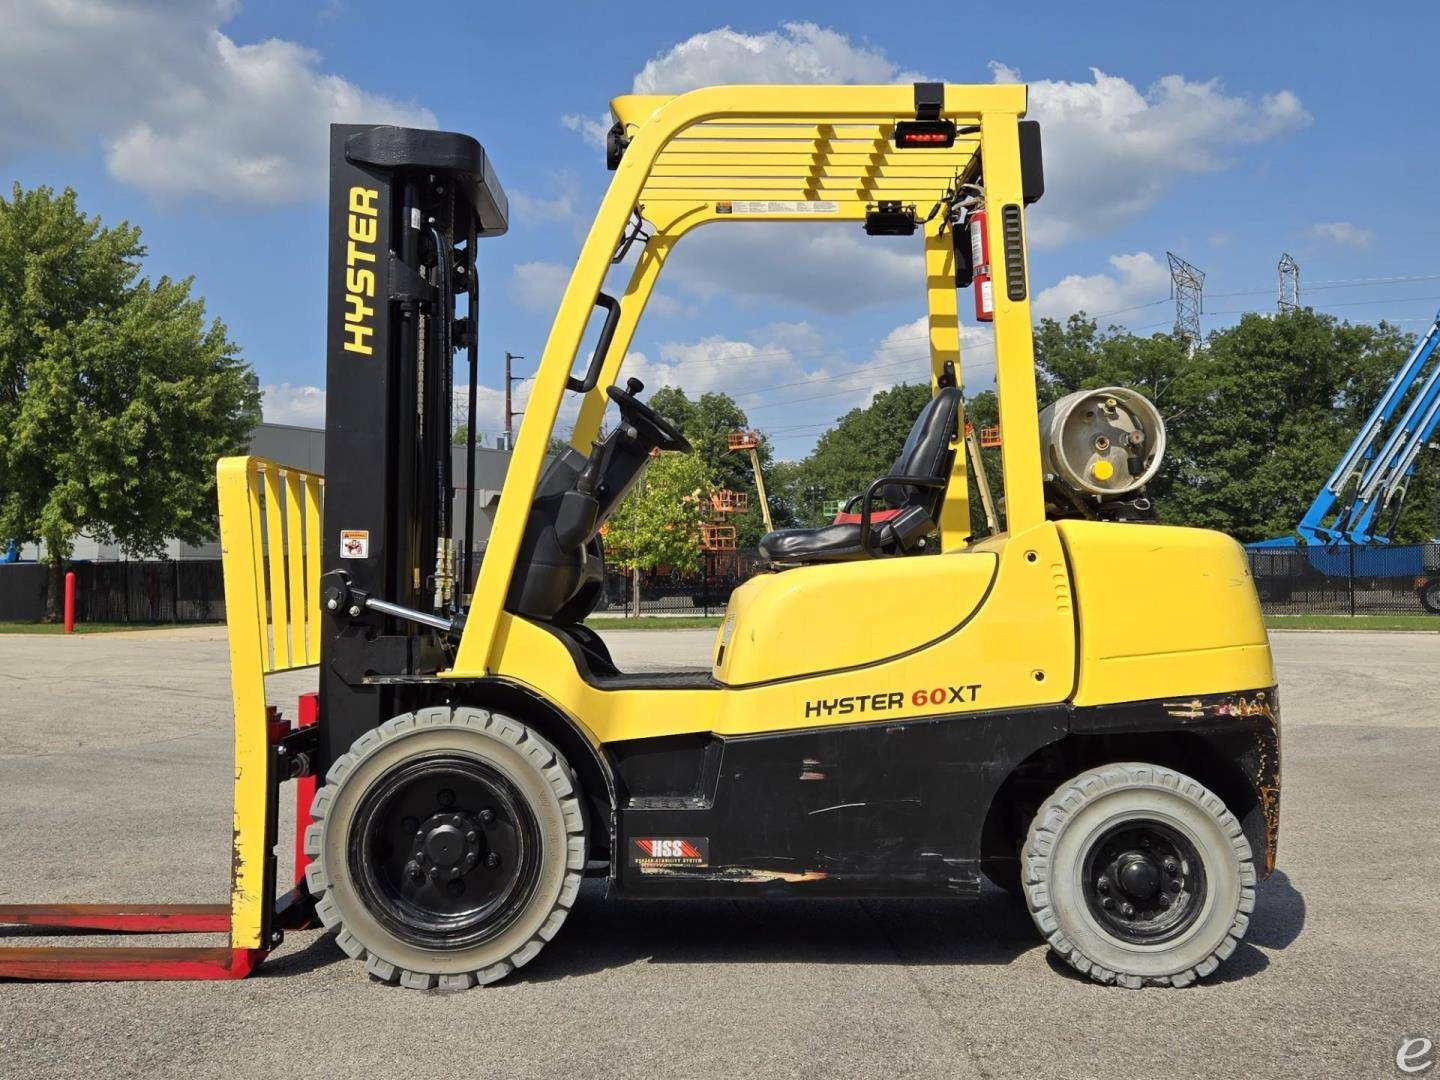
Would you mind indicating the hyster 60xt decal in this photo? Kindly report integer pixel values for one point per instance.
(889, 701)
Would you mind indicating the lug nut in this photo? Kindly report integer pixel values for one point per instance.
(1127, 910)
(413, 869)
(435, 873)
(472, 836)
(1164, 900)
(1174, 886)
(1103, 884)
(1171, 866)
(487, 816)
(1107, 903)
(492, 860)
(455, 871)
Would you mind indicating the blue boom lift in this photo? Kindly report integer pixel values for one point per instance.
(1348, 528)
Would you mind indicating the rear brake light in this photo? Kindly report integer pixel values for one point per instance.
(924, 133)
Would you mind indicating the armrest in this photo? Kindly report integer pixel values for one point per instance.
(911, 481)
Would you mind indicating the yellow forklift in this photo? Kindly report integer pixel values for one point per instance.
(1077, 704)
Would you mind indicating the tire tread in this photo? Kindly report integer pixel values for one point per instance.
(550, 765)
(1077, 792)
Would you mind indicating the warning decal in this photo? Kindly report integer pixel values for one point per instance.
(354, 543)
(653, 852)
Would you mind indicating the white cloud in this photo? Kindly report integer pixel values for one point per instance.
(1137, 279)
(560, 207)
(592, 129)
(303, 406)
(821, 267)
(785, 376)
(538, 286)
(664, 306)
(1112, 150)
(718, 364)
(1344, 233)
(912, 340)
(181, 109)
(799, 52)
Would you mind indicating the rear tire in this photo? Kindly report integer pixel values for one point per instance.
(448, 847)
(1138, 875)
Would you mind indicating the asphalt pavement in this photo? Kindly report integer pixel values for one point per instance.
(115, 785)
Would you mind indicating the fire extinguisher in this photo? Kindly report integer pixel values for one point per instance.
(980, 260)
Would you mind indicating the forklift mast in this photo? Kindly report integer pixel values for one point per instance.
(407, 208)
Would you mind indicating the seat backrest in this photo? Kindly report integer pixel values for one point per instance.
(927, 452)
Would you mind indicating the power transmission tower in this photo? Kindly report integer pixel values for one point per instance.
(1287, 276)
(510, 414)
(1187, 288)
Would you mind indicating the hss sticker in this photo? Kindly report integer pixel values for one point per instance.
(653, 852)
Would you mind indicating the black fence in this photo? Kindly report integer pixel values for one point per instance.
(1342, 580)
(173, 591)
(1390, 579)
(664, 593)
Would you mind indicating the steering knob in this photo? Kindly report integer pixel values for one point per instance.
(633, 386)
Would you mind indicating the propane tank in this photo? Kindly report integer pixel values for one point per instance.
(1102, 443)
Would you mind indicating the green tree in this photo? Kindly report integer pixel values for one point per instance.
(659, 522)
(116, 397)
(707, 422)
(462, 436)
(1256, 418)
(1278, 399)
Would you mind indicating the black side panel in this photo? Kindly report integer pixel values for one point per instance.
(877, 809)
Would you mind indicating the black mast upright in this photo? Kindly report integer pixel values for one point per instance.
(401, 201)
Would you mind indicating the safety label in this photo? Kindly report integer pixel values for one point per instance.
(354, 543)
(776, 206)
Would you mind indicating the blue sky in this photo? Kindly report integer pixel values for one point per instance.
(1227, 135)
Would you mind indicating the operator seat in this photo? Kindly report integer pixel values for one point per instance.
(926, 456)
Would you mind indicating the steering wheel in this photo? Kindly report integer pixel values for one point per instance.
(652, 428)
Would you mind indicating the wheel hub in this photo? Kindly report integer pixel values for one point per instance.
(448, 842)
(444, 851)
(1139, 877)
(1144, 882)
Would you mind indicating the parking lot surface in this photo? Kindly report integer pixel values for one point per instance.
(115, 785)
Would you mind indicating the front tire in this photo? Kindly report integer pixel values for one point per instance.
(1138, 875)
(448, 847)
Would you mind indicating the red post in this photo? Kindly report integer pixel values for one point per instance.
(70, 602)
